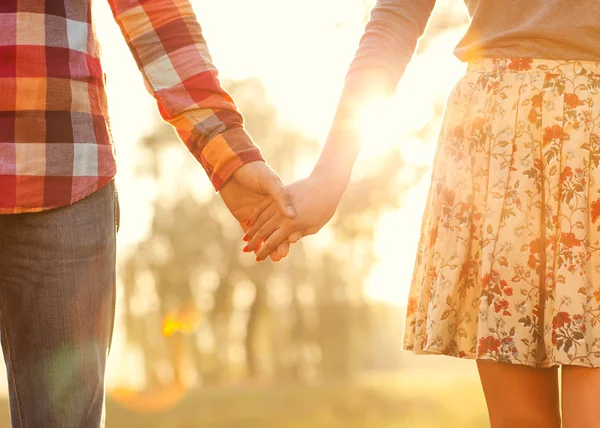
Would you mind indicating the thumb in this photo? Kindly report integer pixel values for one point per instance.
(275, 188)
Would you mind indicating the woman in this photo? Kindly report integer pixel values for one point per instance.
(508, 265)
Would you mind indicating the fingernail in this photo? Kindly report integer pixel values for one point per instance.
(246, 238)
(246, 249)
(290, 211)
(257, 259)
(248, 222)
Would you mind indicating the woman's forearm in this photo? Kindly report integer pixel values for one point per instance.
(385, 49)
(343, 143)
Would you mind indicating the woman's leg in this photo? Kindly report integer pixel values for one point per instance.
(519, 396)
(580, 397)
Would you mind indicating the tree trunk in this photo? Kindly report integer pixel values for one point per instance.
(258, 310)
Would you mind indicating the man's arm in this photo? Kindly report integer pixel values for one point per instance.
(166, 41)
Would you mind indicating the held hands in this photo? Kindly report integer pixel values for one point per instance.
(250, 185)
(315, 200)
(271, 228)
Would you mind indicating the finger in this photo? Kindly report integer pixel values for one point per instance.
(264, 232)
(295, 237)
(265, 203)
(283, 249)
(276, 239)
(311, 231)
(266, 215)
(274, 187)
(256, 250)
(281, 252)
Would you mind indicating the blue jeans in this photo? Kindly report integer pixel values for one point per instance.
(57, 304)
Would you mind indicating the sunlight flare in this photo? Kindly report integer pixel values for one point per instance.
(185, 320)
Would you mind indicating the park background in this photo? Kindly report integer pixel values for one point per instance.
(205, 337)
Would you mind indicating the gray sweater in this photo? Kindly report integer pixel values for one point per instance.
(539, 29)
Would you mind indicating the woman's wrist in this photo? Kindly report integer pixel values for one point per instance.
(344, 141)
(336, 171)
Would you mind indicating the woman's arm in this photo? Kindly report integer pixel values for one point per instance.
(386, 47)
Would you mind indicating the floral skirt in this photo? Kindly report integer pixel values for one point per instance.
(508, 264)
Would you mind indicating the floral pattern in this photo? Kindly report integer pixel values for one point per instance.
(508, 265)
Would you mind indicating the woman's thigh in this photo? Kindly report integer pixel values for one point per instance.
(580, 397)
(520, 396)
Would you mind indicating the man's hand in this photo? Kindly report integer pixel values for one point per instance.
(251, 184)
(316, 198)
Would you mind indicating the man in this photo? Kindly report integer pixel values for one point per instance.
(57, 195)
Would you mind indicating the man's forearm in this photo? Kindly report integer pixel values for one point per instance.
(166, 41)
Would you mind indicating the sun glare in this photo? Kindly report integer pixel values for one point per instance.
(303, 74)
(378, 127)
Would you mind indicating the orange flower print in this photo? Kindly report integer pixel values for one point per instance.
(532, 261)
(595, 210)
(569, 240)
(458, 132)
(536, 101)
(478, 124)
(501, 306)
(516, 204)
(520, 64)
(533, 116)
(449, 196)
(433, 237)
(552, 133)
(566, 173)
(572, 100)
(560, 320)
(536, 246)
(412, 305)
(488, 344)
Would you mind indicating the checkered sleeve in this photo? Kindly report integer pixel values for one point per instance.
(166, 40)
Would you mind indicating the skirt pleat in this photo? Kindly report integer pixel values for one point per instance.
(507, 267)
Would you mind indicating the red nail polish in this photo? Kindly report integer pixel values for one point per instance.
(249, 222)
(257, 259)
(246, 238)
(246, 249)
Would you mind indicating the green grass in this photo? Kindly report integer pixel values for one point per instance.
(417, 399)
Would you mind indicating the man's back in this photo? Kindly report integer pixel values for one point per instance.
(54, 136)
(55, 144)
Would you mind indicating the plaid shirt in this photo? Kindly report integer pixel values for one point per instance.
(55, 141)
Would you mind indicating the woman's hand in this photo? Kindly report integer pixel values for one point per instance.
(315, 200)
(250, 185)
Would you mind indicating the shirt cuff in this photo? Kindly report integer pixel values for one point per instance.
(227, 152)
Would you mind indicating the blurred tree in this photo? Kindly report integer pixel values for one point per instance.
(303, 319)
(192, 257)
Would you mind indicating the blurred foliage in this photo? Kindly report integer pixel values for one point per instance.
(277, 345)
(396, 401)
(303, 319)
